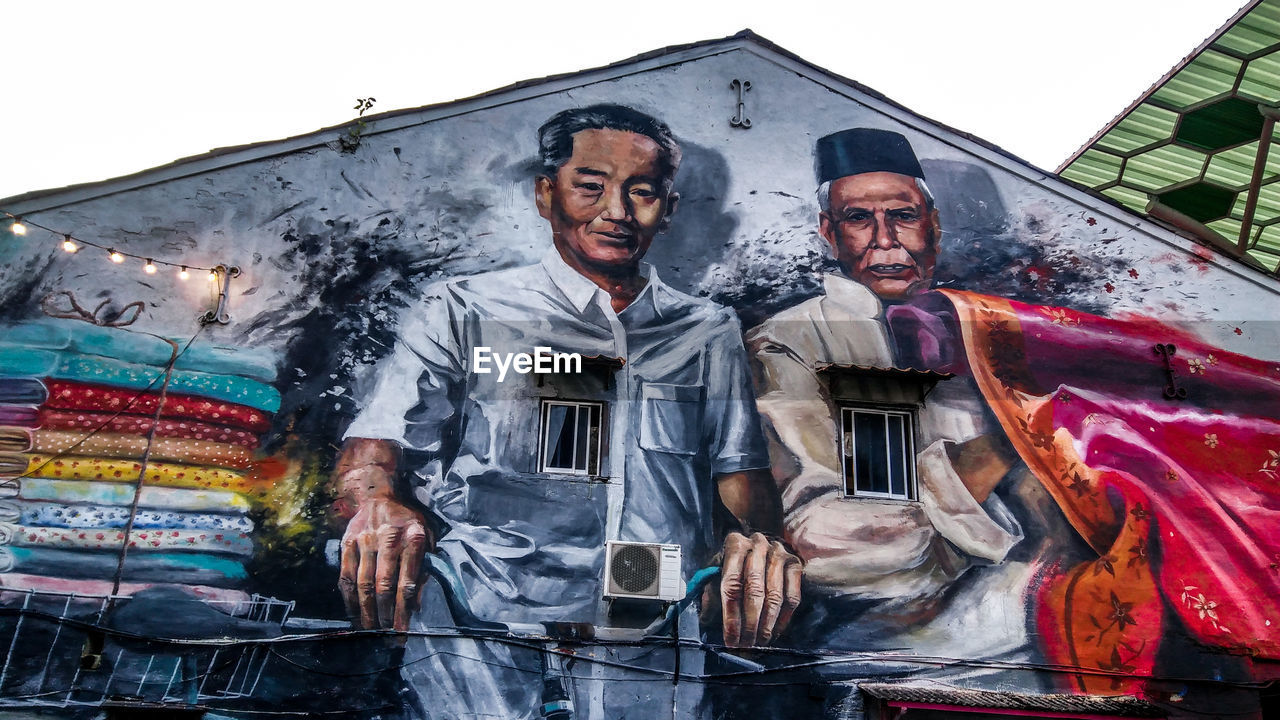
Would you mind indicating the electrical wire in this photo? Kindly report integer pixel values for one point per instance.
(67, 238)
(719, 679)
(142, 469)
(540, 646)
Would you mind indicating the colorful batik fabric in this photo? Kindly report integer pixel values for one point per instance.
(162, 474)
(122, 495)
(232, 601)
(17, 415)
(142, 348)
(64, 395)
(114, 373)
(127, 424)
(114, 445)
(15, 439)
(50, 514)
(142, 540)
(25, 362)
(22, 391)
(12, 464)
(166, 567)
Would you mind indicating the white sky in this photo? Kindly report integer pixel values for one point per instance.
(101, 89)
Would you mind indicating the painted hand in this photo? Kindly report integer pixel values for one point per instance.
(382, 553)
(759, 589)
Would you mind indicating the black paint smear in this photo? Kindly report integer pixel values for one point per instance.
(353, 282)
(989, 249)
(18, 296)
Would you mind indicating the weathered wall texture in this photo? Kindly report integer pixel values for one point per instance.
(1132, 536)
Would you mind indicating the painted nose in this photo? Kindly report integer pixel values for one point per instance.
(886, 235)
(616, 206)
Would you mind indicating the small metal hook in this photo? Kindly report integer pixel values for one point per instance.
(741, 120)
(223, 275)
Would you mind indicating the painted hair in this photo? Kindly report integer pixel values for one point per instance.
(555, 137)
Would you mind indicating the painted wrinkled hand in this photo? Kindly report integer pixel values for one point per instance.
(382, 553)
(759, 589)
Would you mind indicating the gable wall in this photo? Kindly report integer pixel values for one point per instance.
(333, 245)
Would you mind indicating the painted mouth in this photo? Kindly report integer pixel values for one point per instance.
(617, 238)
(891, 269)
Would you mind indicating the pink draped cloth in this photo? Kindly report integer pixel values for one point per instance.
(1179, 498)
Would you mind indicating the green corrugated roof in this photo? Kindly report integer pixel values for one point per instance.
(1191, 142)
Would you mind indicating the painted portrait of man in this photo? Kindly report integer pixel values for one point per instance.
(658, 439)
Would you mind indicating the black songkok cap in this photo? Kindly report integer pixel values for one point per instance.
(864, 150)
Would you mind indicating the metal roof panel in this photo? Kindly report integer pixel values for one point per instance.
(1094, 168)
(1147, 124)
(1210, 74)
(1255, 31)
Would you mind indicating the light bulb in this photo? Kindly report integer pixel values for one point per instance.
(149, 268)
(17, 227)
(115, 256)
(68, 245)
(183, 274)
(213, 276)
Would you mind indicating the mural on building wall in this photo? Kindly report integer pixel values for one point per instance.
(868, 449)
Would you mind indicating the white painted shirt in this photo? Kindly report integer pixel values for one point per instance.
(897, 557)
(529, 546)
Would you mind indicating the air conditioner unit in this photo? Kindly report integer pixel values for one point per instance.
(645, 571)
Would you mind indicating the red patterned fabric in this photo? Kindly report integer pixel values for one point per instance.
(127, 424)
(66, 395)
(1179, 498)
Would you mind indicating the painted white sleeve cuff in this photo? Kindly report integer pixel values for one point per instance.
(981, 530)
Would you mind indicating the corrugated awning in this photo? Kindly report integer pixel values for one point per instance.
(930, 376)
(942, 697)
(1199, 142)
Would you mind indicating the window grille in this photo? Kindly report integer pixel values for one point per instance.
(570, 437)
(878, 453)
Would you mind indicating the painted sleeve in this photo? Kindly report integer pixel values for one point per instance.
(417, 386)
(857, 547)
(737, 443)
(981, 530)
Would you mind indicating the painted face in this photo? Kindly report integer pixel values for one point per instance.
(608, 201)
(882, 233)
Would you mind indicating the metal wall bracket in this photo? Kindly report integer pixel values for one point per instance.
(1171, 390)
(222, 275)
(741, 120)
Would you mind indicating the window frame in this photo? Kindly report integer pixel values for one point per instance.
(848, 464)
(544, 418)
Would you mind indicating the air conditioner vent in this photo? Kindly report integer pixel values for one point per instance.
(635, 569)
(643, 570)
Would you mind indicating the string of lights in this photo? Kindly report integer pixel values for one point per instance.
(71, 244)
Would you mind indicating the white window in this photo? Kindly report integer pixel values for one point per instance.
(570, 437)
(879, 455)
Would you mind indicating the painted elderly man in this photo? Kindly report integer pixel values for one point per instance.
(529, 475)
(888, 500)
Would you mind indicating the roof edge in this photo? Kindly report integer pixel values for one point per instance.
(293, 141)
(644, 62)
(1248, 8)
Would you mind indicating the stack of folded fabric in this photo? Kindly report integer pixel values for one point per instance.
(78, 414)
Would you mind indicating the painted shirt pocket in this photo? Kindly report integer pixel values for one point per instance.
(671, 417)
